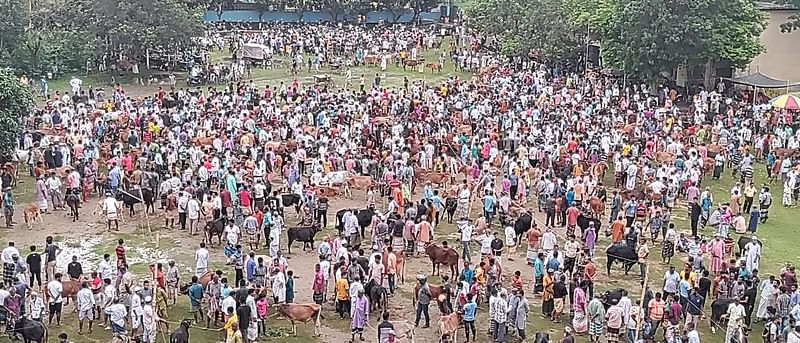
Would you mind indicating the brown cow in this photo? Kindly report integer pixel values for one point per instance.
(202, 141)
(443, 255)
(597, 207)
(327, 191)
(400, 265)
(301, 313)
(435, 292)
(404, 329)
(31, 213)
(708, 165)
(69, 290)
(663, 156)
(435, 178)
(448, 326)
(360, 182)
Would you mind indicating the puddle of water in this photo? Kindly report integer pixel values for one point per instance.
(89, 257)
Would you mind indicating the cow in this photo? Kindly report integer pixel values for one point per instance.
(596, 207)
(130, 198)
(69, 291)
(378, 298)
(73, 202)
(742, 243)
(31, 330)
(609, 296)
(719, 308)
(31, 214)
(622, 253)
(435, 292)
(522, 225)
(436, 178)
(215, 227)
(149, 198)
(364, 217)
(448, 326)
(301, 313)
(181, 334)
(404, 329)
(443, 255)
(303, 234)
(339, 178)
(360, 182)
(292, 200)
(450, 205)
(583, 224)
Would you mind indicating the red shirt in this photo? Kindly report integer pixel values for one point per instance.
(572, 215)
(225, 196)
(244, 198)
(120, 251)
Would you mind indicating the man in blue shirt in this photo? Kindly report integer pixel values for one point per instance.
(467, 273)
(630, 212)
(427, 191)
(114, 177)
(437, 203)
(489, 202)
(470, 309)
(196, 299)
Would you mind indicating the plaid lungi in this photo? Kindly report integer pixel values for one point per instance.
(595, 329)
(612, 335)
(8, 272)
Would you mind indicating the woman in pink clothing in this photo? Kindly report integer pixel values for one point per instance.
(580, 322)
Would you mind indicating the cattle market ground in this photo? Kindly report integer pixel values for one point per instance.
(89, 240)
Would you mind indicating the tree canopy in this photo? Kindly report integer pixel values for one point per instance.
(65, 34)
(641, 37)
(15, 100)
(522, 26)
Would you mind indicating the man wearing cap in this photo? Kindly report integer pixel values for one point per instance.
(736, 315)
(150, 320)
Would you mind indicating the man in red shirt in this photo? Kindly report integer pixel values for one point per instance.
(120, 252)
(572, 219)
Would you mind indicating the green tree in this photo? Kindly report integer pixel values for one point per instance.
(650, 38)
(15, 101)
(133, 26)
(522, 26)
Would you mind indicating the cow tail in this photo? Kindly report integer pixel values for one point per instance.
(317, 321)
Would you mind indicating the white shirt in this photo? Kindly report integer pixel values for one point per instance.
(486, 244)
(693, 336)
(37, 307)
(110, 205)
(466, 233)
(85, 299)
(279, 287)
(54, 288)
(117, 313)
(193, 209)
(104, 270)
(8, 254)
(201, 258)
(232, 234)
(229, 301)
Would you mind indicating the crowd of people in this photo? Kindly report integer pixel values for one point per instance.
(518, 133)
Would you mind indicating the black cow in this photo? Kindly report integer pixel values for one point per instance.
(719, 308)
(73, 202)
(215, 227)
(609, 296)
(149, 198)
(742, 243)
(450, 205)
(583, 223)
(364, 217)
(290, 200)
(181, 334)
(129, 199)
(378, 298)
(622, 253)
(522, 225)
(31, 330)
(303, 234)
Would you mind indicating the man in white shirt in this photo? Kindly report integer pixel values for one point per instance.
(86, 304)
(110, 210)
(36, 305)
(201, 259)
(486, 243)
(232, 233)
(104, 268)
(54, 289)
(183, 203)
(193, 213)
(136, 311)
(116, 314)
(465, 226)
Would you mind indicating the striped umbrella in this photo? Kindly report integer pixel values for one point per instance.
(786, 101)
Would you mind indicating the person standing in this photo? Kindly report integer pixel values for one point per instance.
(201, 260)
(54, 289)
(596, 314)
(521, 316)
(498, 314)
(86, 304)
(614, 321)
(51, 251)
(470, 311)
(34, 261)
(736, 315)
(196, 299)
(423, 300)
(116, 314)
(360, 316)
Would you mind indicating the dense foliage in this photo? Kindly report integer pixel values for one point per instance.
(15, 100)
(66, 35)
(646, 38)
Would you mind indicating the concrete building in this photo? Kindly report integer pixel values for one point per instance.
(781, 60)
